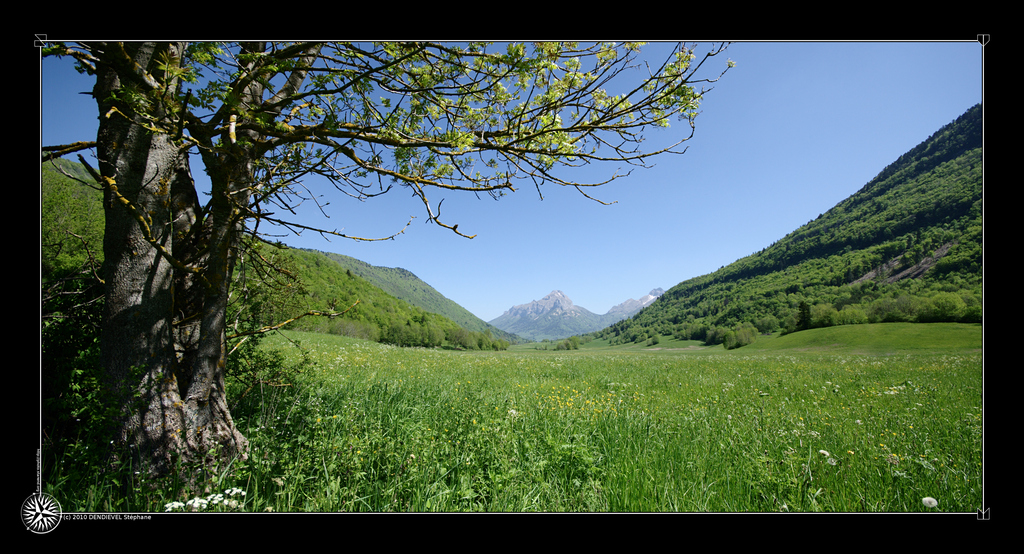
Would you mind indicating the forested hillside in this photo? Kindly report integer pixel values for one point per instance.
(402, 283)
(272, 285)
(321, 284)
(906, 247)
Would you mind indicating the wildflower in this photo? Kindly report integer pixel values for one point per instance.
(831, 461)
(930, 502)
(197, 504)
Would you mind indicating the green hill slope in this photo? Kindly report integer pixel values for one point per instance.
(403, 284)
(878, 339)
(324, 285)
(71, 227)
(906, 247)
(71, 241)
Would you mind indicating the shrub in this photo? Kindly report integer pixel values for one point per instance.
(944, 306)
(851, 315)
(791, 324)
(823, 315)
(767, 324)
(715, 335)
(742, 335)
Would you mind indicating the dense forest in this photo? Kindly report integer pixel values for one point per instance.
(906, 247)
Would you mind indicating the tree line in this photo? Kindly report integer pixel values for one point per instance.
(912, 301)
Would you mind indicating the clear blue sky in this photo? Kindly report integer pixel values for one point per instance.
(792, 130)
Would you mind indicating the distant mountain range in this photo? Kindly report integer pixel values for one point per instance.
(555, 316)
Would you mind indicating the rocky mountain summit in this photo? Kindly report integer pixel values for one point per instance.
(630, 307)
(556, 303)
(555, 316)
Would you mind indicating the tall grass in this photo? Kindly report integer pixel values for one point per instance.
(369, 427)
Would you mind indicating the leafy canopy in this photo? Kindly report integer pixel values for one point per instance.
(473, 117)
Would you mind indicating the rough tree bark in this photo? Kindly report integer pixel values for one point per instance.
(163, 336)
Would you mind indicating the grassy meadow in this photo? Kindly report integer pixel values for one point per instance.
(855, 419)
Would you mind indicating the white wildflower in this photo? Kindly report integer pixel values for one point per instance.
(930, 502)
(197, 504)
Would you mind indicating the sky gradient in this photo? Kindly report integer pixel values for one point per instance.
(792, 130)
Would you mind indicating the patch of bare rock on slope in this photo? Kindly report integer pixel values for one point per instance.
(892, 271)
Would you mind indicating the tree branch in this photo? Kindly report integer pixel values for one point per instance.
(269, 328)
(64, 149)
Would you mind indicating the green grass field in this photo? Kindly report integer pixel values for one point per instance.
(868, 418)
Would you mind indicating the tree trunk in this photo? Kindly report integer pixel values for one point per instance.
(163, 335)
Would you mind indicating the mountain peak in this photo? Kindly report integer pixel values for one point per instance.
(557, 296)
(630, 307)
(556, 301)
(555, 316)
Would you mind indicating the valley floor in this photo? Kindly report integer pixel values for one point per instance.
(371, 427)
